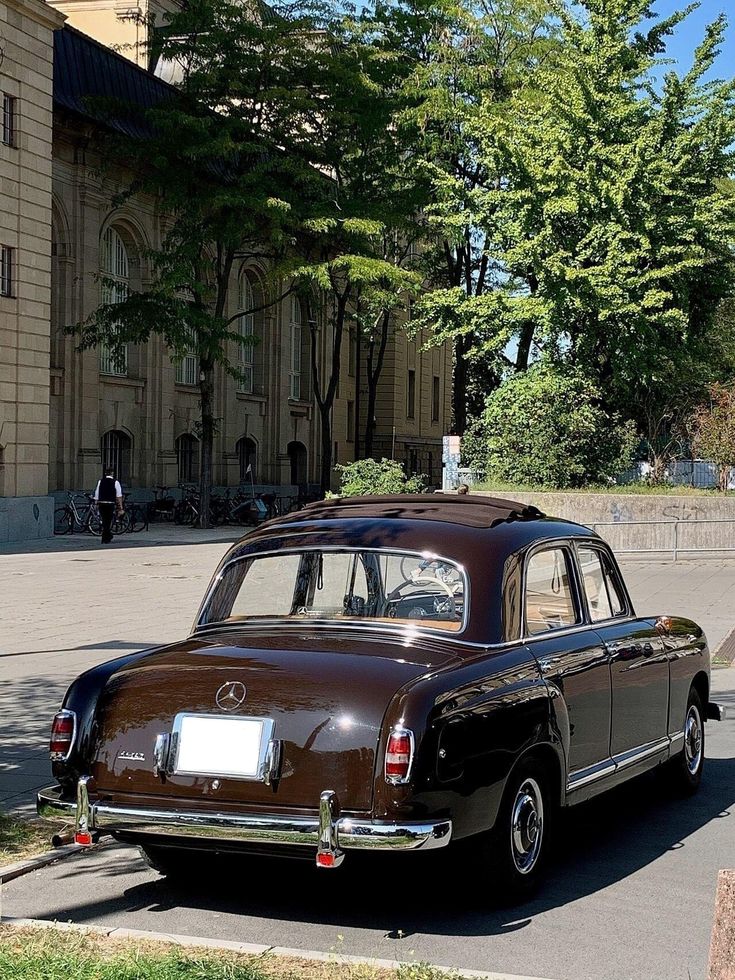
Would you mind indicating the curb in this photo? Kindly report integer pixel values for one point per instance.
(251, 949)
(11, 871)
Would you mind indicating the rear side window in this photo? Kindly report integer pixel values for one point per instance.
(605, 597)
(549, 599)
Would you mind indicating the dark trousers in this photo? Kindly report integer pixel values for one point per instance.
(107, 512)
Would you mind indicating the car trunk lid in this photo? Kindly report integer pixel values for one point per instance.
(325, 692)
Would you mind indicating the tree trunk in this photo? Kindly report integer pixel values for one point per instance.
(325, 466)
(524, 346)
(374, 370)
(206, 403)
(459, 384)
(358, 381)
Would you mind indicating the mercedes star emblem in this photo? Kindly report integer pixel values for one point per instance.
(231, 695)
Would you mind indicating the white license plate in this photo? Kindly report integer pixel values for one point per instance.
(212, 745)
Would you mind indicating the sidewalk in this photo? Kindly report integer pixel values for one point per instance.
(70, 603)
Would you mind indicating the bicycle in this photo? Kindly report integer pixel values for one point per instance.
(72, 517)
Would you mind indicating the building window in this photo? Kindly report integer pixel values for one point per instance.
(294, 374)
(246, 450)
(187, 366)
(430, 468)
(9, 119)
(115, 270)
(350, 421)
(187, 457)
(116, 451)
(435, 399)
(6, 270)
(352, 358)
(298, 459)
(247, 332)
(411, 395)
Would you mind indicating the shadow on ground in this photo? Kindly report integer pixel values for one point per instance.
(598, 844)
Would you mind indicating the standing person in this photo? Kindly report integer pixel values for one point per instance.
(107, 495)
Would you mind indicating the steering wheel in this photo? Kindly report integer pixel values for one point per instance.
(427, 580)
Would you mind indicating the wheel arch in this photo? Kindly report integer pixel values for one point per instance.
(700, 683)
(549, 757)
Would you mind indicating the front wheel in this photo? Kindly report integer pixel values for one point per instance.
(686, 768)
(515, 851)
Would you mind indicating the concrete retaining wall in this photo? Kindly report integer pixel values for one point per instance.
(26, 518)
(622, 519)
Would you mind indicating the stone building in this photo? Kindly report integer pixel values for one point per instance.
(26, 42)
(66, 413)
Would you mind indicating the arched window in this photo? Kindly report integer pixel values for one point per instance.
(187, 457)
(115, 269)
(294, 373)
(246, 301)
(116, 449)
(298, 458)
(246, 452)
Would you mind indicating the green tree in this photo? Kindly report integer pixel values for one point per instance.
(609, 226)
(233, 163)
(370, 477)
(465, 58)
(546, 427)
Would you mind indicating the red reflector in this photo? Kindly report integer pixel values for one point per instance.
(62, 734)
(83, 837)
(398, 755)
(324, 859)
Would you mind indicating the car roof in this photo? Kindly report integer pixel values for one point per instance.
(468, 511)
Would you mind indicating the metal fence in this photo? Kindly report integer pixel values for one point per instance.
(679, 537)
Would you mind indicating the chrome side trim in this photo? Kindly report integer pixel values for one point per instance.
(589, 775)
(583, 777)
(251, 828)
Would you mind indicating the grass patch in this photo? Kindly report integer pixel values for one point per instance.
(50, 954)
(21, 838)
(637, 489)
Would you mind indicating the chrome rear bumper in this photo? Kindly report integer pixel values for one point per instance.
(328, 833)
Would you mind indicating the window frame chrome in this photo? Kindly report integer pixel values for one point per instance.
(553, 544)
(356, 623)
(601, 548)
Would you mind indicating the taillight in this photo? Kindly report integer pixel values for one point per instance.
(399, 755)
(63, 730)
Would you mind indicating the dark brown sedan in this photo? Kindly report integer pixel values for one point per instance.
(386, 673)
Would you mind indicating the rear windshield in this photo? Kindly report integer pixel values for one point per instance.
(340, 585)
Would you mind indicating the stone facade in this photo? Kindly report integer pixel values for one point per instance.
(64, 413)
(26, 39)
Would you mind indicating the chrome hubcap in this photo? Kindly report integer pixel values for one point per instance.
(693, 739)
(527, 826)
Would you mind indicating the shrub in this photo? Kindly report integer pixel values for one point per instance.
(547, 427)
(713, 426)
(371, 477)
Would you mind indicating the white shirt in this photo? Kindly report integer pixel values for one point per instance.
(118, 490)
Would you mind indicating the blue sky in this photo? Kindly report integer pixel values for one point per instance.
(691, 31)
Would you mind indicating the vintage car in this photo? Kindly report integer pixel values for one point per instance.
(386, 673)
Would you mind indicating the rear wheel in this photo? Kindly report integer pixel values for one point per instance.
(63, 520)
(686, 767)
(515, 851)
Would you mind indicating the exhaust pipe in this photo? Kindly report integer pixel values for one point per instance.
(63, 838)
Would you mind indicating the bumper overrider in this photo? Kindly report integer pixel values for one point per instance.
(330, 833)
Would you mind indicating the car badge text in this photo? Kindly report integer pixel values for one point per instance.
(132, 756)
(231, 695)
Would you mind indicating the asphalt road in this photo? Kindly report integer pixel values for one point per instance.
(630, 893)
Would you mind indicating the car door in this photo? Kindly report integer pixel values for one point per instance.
(571, 658)
(639, 668)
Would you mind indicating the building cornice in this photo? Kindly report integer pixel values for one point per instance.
(40, 12)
